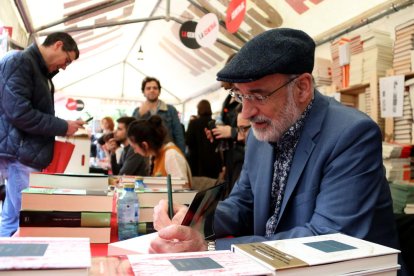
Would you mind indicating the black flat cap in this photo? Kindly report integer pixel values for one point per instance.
(282, 50)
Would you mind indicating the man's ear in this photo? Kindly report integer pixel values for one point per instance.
(304, 85)
(58, 44)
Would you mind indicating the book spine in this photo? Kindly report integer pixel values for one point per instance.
(64, 219)
(146, 228)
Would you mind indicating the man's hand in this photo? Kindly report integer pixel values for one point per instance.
(144, 108)
(222, 132)
(209, 135)
(178, 238)
(73, 126)
(112, 145)
(160, 217)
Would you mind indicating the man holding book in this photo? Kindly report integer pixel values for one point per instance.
(312, 165)
(28, 125)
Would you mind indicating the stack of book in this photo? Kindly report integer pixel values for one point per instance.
(403, 125)
(355, 71)
(338, 74)
(404, 48)
(45, 256)
(402, 193)
(322, 72)
(50, 212)
(377, 54)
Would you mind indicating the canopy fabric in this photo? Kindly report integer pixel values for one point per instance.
(110, 34)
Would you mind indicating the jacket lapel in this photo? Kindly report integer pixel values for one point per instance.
(305, 146)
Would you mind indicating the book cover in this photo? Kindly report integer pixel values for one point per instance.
(43, 199)
(64, 219)
(196, 263)
(97, 182)
(319, 255)
(95, 234)
(56, 255)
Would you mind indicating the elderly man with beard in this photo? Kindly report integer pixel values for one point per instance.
(312, 165)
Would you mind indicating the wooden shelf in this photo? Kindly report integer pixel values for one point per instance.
(355, 89)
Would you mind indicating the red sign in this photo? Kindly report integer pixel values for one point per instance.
(235, 15)
(8, 29)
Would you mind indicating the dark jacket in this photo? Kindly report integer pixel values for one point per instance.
(130, 163)
(202, 155)
(28, 125)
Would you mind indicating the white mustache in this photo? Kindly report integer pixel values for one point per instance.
(259, 119)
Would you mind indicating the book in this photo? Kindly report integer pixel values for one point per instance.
(146, 228)
(30, 218)
(196, 263)
(45, 256)
(409, 208)
(151, 197)
(95, 234)
(137, 245)
(98, 182)
(66, 200)
(320, 255)
(157, 182)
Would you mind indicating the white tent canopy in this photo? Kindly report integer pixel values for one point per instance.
(110, 34)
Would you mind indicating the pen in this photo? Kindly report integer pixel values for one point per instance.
(170, 200)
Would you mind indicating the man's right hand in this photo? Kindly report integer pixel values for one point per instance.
(73, 126)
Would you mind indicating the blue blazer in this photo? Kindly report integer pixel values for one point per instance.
(336, 183)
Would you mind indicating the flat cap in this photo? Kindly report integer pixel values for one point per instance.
(281, 50)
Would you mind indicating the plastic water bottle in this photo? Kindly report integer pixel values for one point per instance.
(128, 212)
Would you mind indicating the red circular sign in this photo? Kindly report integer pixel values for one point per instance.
(235, 15)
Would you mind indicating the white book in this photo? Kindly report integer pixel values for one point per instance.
(320, 255)
(221, 262)
(95, 182)
(138, 245)
(44, 256)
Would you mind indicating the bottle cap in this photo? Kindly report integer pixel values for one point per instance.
(129, 185)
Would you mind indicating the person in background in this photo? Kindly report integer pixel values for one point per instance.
(202, 155)
(107, 126)
(130, 163)
(28, 124)
(312, 166)
(151, 88)
(150, 138)
(225, 133)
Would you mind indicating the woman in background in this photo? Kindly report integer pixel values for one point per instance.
(150, 139)
(202, 155)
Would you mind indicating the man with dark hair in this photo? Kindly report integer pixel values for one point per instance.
(130, 163)
(312, 166)
(28, 125)
(151, 88)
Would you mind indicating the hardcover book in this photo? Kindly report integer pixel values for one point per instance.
(87, 181)
(331, 254)
(44, 256)
(64, 219)
(66, 200)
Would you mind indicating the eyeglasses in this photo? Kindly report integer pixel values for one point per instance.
(68, 59)
(243, 129)
(260, 99)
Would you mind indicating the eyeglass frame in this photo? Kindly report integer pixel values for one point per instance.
(257, 98)
(243, 129)
(67, 63)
